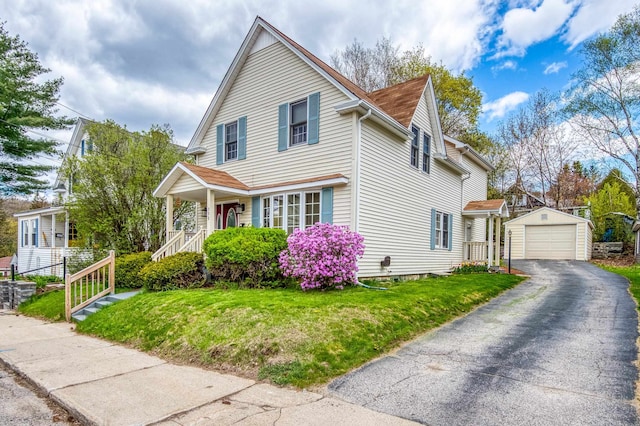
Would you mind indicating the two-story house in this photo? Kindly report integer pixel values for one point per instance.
(287, 141)
(46, 235)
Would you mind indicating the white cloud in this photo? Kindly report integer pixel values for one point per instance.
(524, 26)
(506, 65)
(594, 16)
(555, 67)
(500, 107)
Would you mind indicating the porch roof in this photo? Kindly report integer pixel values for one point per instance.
(41, 212)
(486, 208)
(223, 181)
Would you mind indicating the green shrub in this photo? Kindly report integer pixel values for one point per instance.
(182, 270)
(247, 256)
(128, 267)
(42, 280)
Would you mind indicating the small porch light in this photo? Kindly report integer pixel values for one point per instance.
(240, 208)
(203, 212)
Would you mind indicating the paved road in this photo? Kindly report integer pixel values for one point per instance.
(20, 405)
(557, 350)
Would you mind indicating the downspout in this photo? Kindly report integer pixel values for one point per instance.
(357, 180)
(358, 161)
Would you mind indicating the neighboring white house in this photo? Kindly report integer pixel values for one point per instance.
(287, 141)
(549, 234)
(46, 235)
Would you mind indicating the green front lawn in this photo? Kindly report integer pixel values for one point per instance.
(289, 336)
(632, 273)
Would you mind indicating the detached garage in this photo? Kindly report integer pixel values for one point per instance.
(549, 234)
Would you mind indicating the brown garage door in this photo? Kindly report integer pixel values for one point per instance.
(550, 242)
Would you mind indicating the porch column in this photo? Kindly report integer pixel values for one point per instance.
(498, 230)
(169, 209)
(211, 211)
(196, 221)
(53, 230)
(490, 254)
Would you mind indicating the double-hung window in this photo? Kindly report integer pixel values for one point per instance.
(426, 153)
(441, 229)
(298, 120)
(25, 233)
(231, 141)
(34, 232)
(415, 147)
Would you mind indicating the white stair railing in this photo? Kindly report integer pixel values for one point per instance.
(171, 247)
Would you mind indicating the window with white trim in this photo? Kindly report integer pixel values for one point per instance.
(442, 230)
(25, 233)
(231, 141)
(426, 153)
(291, 211)
(298, 122)
(34, 232)
(415, 147)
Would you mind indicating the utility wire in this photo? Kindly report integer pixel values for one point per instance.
(77, 112)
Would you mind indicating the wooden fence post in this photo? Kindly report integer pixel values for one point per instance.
(112, 271)
(67, 297)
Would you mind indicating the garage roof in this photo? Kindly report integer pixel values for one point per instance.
(567, 218)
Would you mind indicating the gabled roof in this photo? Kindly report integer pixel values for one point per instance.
(401, 100)
(464, 148)
(486, 208)
(5, 262)
(74, 143)
(568, 216)
(215, 177)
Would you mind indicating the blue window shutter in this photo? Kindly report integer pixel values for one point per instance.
(433, 229)
(450, 231)
(82, 148)
(314, 118)
(326, 216)
(242, 138)
(283, 127)
(255, 212)
(220, 144)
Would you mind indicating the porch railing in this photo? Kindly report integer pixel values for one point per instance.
(171, 247)
(194, 243)
(84, 287)
(476, 251)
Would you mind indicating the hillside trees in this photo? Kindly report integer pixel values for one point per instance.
(27, 102)
(113, 186)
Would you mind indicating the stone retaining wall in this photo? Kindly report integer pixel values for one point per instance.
(13, 293)
(606, 250)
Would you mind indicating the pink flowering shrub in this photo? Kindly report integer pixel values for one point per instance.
(322, 256)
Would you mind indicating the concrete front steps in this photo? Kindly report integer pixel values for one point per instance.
(103, 302)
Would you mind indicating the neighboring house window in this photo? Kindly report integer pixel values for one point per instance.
(231, 141)
(441, 227)
(291, 211)
(25, 233)
(34, 232)
(311, 208)
(426, 153)
(73, 232)
(415, 148)
(298, 120)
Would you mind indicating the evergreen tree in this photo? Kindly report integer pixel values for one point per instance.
(27, 102)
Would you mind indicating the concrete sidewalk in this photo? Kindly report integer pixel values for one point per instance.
(106, 384)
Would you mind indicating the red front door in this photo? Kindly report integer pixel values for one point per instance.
(226, 216)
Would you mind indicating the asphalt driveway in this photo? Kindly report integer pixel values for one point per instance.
(560, 349)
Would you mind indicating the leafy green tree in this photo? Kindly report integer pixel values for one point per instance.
(608, 205)
(112, 187)
(615, 175)
(604, 101)
(8, 233)
(27, 102)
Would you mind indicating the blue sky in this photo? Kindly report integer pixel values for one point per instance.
(153, 62)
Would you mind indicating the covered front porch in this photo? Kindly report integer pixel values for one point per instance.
(222, 201)
(485, 250)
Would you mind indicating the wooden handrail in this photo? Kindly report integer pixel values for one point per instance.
(100, 276)
(166, 250)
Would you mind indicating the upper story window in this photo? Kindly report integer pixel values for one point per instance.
(415, 147)
(231, 141)
(426, 153)
(298, 120)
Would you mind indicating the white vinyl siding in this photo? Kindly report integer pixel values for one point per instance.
(271, 77)
(185, 183)
(396, 205)
(475, 188)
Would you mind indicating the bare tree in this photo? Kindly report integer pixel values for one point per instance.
(604, 101)
(369, 68)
